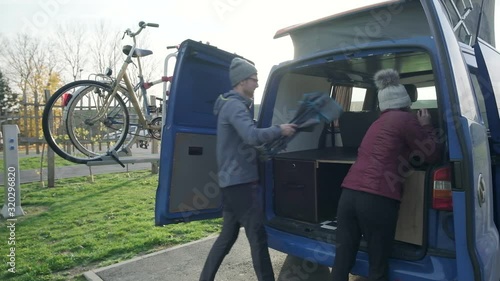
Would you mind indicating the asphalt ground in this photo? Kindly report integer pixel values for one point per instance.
(80, 170)
(27, 176)
(184, 263)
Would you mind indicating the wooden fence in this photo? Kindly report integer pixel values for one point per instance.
(28, 142)
(28, 117)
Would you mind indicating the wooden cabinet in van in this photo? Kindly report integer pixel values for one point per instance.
(307, 187)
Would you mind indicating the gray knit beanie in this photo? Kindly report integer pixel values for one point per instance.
(391, 94)
(240, 70)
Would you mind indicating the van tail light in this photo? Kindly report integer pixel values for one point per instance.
(441, 191)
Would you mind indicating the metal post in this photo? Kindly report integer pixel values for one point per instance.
(12, 201)
(25, 119)
(37, 122)
(154, 142)
(154, 150)
(51, 167)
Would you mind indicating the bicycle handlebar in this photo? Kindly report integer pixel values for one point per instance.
(142, 25)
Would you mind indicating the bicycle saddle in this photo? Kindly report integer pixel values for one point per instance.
(137, 52)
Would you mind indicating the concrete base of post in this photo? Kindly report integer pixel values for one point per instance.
(8, 214)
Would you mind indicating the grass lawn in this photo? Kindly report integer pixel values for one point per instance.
(33, 162)
(80, 225)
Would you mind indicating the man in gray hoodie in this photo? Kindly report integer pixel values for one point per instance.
(237, 136)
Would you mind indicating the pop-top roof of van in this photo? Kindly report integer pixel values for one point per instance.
(287, 30)
(388, 21)
(352, 30)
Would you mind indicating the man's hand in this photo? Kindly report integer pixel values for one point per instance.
(423, 116)
(288, 129)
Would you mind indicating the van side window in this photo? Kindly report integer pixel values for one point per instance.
(426, 98)
(479, 98)
(358, 99)
(343, 96)
(350, 98)
(358, 115)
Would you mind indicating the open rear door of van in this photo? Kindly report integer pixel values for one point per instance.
(187, 186)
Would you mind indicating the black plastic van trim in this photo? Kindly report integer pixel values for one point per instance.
(441, 253)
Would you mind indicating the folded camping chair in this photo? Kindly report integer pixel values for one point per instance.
(314, 108)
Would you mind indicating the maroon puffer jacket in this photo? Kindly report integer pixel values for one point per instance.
(385, 153)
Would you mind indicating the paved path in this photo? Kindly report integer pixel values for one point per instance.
(80, 170)
(75, 171)
(184, 263)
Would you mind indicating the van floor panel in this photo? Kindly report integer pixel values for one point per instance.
(318, 231)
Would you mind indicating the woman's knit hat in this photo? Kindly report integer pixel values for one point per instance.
(240, 70)
(391, 94)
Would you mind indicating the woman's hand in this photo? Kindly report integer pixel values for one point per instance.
(423, 116)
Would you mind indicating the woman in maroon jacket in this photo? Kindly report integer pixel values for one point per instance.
(372, 189)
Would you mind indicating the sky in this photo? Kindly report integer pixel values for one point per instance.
(245, 27)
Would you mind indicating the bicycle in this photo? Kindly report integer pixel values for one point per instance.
(88, 119)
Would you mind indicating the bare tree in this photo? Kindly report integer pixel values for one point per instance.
(30, 63)
(32, 66)
(105, 49)
(20, 55)
(73, 48)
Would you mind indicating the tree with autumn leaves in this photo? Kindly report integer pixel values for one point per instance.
(32, 68)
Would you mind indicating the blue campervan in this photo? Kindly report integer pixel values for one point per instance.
(448, 226)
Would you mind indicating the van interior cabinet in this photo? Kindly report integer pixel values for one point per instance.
(295, 189)
(307, 188)
(330, 177)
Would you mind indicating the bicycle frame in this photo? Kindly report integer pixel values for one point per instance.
(98, 111)
(143, 115)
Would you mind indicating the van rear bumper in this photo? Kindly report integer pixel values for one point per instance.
(323, 252)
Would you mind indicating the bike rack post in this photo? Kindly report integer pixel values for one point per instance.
(12, 200)
(154, 143)
(165, 89)
(50, 153)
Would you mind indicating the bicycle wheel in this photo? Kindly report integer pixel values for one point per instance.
(93, 119)
(76, 126)
(134, 128)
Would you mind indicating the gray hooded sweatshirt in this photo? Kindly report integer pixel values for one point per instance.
(237, 136)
